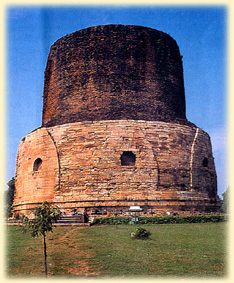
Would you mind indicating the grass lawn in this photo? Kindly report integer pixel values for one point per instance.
(174, 250)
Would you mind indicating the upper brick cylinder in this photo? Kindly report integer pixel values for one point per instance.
(114, 72)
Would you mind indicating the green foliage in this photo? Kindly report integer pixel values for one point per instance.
(168, 219)
(141, 233)
(181, 219)
(10, 197)
(112, 220)
(45, 216)
(224, 201)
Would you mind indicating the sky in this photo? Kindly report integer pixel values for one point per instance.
(200, 32)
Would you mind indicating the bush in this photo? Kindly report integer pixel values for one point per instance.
(112, 220)
(116, 220)
(141, 233)
(183, 219)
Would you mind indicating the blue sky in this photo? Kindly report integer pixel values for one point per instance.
(200, 32)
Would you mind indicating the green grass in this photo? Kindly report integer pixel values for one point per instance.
(173, 250)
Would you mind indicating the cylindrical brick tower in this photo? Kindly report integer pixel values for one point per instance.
(114, 130)
(114, 72)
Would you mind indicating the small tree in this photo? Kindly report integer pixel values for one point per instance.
(9, 195)
(45, 216)
(224, 201)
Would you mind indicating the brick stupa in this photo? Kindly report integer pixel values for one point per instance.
(114, 131)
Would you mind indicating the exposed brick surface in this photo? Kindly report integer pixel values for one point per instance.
(90, 172)
(36, 186)
(114, 72)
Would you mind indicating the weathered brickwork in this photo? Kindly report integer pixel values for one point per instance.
(34, 186)
(90, 173)
(114, 72)
(114, 131)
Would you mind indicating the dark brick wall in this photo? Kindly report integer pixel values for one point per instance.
(114, 72)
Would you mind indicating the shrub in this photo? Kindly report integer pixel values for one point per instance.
(141, 233)
(116, 220)
(112, 220)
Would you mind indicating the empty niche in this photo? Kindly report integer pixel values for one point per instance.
(205, 162)
(37, 164)
(128, 158)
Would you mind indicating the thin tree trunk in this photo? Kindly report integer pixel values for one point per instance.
(45, 255)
